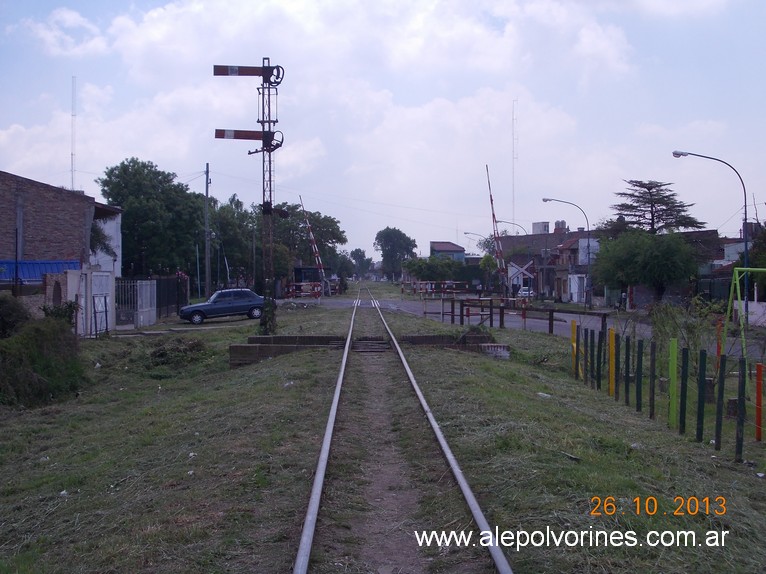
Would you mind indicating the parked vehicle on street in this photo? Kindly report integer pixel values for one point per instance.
(224, 303)
(526, 293)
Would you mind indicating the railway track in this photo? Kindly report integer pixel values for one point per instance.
(378, 354)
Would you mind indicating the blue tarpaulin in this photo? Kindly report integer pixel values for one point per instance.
(33, 271)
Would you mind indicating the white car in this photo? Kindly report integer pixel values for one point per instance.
(526, 293)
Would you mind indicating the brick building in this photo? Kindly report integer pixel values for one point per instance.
(52, 223)
(45, 232)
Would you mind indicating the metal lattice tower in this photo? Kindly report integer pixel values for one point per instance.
(271, 77)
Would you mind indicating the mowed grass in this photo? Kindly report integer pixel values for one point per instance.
(170, 462)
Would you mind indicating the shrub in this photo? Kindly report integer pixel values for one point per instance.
(12, 315)
(65, 311)
(39, 363)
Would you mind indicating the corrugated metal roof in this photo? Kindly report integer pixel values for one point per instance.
(33, 271)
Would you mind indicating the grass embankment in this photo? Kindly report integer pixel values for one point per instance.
(170, 462)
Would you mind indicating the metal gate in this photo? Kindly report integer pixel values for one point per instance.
(136, 302)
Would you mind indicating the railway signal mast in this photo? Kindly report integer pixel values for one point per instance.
(271, 140)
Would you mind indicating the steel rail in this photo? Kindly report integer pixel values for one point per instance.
(501, 563)
(309, 524)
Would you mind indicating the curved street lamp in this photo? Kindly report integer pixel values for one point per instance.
(678, 154)
(512, 223)
(587, 226)
(483, 237)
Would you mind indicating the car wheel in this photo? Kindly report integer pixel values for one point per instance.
(197, 318)
(255, 313)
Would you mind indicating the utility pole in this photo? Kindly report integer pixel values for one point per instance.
(208, 291)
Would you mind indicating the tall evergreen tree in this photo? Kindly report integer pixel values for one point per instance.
(639, 246)
(653, 207)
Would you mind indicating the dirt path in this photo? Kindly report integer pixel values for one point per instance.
(390, 490)
(370, 500)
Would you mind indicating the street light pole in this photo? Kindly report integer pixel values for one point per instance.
(678, 154)
(587, 225)
(512, 223)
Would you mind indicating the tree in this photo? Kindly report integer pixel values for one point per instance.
(100, 241)
(432, 269)
(394, 247)
(488, 264)
(233, 227)
(293, 233)
(652, 206)
(161, 221)
(639, 257)
(362, 263)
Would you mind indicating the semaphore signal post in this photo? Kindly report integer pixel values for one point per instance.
(271, 140)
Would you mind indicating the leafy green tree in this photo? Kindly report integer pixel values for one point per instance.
(639, 257)
(488, 265)
(395, 247)
(652, 206)
(162, 221)
(233, 227)
(361, 261)
(293, 233)
(100, 241)
(432, 269)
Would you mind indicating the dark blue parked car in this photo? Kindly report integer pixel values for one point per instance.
(225, 303)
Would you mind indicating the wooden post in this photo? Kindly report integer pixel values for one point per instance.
(610, 359)
(639, 373)
(701, 383)
(652, 377)
(672, 383)
(741, 409)
(577, 354)
(592, 359)
(585, 356)
(719, 400)
(758, 399)
(599, 357)
(550, 322)
(462, 309)
(616, 368)
(574, 347)
(684, 386)
(627, 370)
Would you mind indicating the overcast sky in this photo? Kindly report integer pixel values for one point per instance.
(391, 109)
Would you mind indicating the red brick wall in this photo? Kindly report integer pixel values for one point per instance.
(55, 221)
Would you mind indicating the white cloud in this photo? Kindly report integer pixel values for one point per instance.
(300, 158)
(395, 102)
(696, 130)
(67, 33)
(603, 46)
(680, 8)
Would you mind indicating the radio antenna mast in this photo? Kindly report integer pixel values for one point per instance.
(496, 235)
(74, 122)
